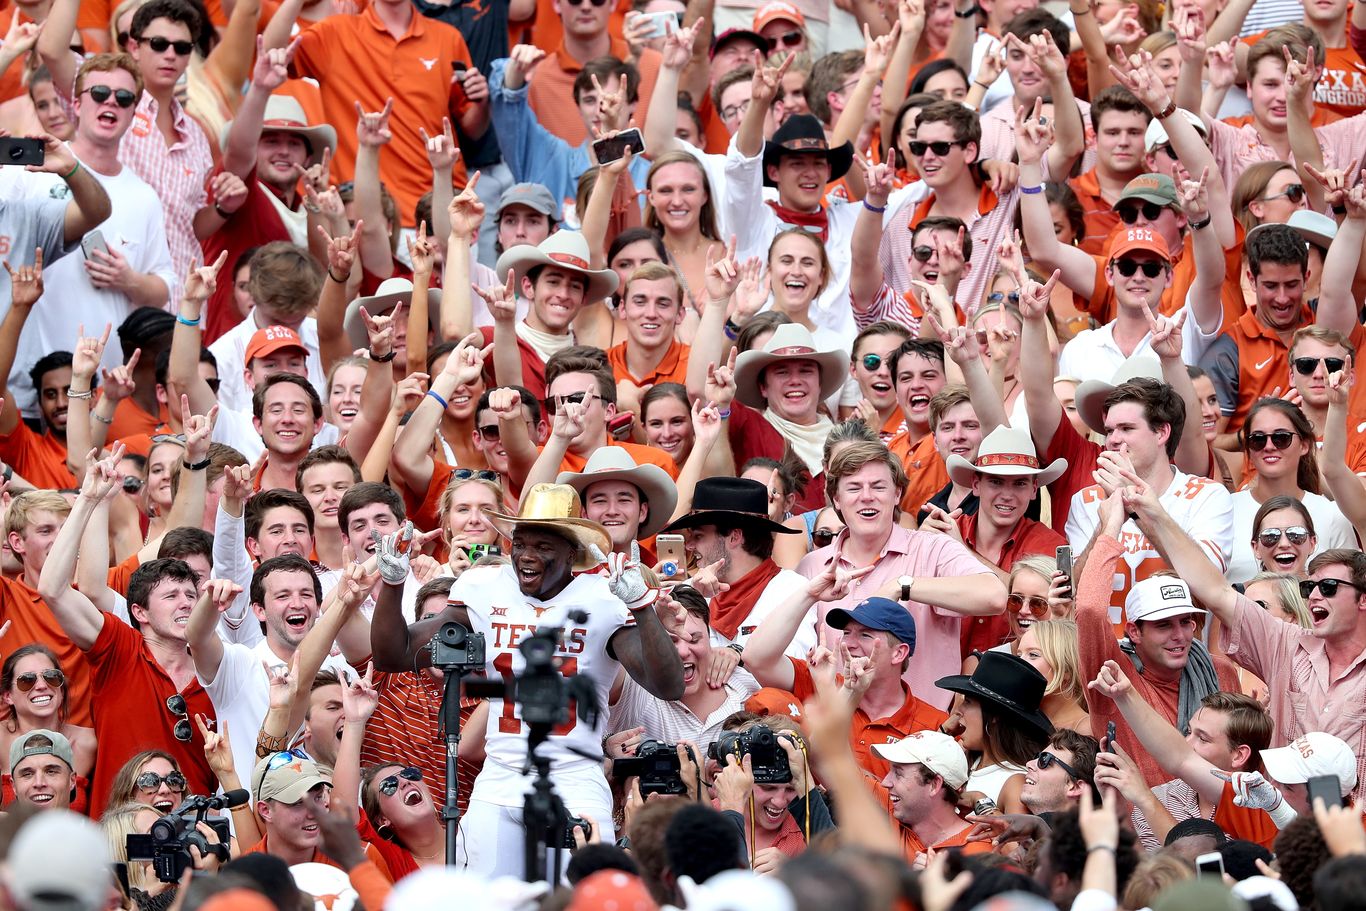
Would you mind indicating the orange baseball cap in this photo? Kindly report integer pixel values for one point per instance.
(1125, 240)
(272, 339)
(776, 10)
(773, 701)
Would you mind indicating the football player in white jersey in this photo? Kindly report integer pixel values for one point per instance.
(556, 568)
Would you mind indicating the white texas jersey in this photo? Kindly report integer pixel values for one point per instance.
(1204, 508)
(498, 609)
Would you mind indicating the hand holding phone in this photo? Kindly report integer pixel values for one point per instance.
(613, 148)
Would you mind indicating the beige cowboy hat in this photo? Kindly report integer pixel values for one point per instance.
(284, 114)
(1005, 452)
(789, 342)
(1091, 394)
(390, 293)
(556, 507)
(614, 463)
(564, 250)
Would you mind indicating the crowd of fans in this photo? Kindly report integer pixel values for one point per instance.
(927, 430)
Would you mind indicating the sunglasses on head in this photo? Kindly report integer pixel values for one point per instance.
(939, 148)
(1281, 439)
(159, 45)
(124, 98)
(53, 677)
(1047, 759)
(388, 786)
(575, 398)
(1293, 192)
(786, 39)
(1295, 534)
(1305, 366)
(1129, 213)
(169, 438)
(150, 781)
(1127, 267)
(1329, 587)
(482, 474)
(1036, 605)
(1167, 150)
(181, 729)
(822, 537)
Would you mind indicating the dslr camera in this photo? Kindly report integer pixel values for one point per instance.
(456, 648)
(657, 766)
(167, 846)
(760, 744)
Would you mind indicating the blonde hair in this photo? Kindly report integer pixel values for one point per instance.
(118, 823)
(1288, 587)
(22, 507)
(1153, 876)
(1040, 565)
(1058, 642)
(706, 221)
(448, 495)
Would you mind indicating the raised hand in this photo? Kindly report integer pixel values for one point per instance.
(624, 578)
(569, 421)
(505, 403)
(197, 428)
(26, 282)
(393, 554)
(466, 362)
(768, 81)
(678, 44)
(522, 59)
(877, 52)
(372, 127)
(1033, 133)
(1188, 21)
(1299, 77)
(422, 252)
(341, 251)
(611, 105)
(501, 299)
(228, 193)
(1193, 197)
(1137, 74)
(706, 423)
(1334, 182)
(442, 149)
(221, 593)
(355, 585)
(993, 64)
(1355, 200)
(720, 387)
(380, 331)
(707, 582)
(722, 273)
(465, 211)
(409, 392)
(272, 65)
(217, 748)
(1221, 65)
(102, 481)
(1123, 29)
(878, 177)
(85, 357)
(1340, 385)
(118, 384)
(751, 293)
(360, 698)
(1166, 333)
(1034, 298)
(21, 36)
(1045, 54)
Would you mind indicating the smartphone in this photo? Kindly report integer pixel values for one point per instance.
(1329, 788)
(665, 23)
(1211, 864)
(460, 69)
(16, 150)
(1064, 558)
(93, 241)
(620, 426)
(673, 558)
(1109, 736)
(613, 147)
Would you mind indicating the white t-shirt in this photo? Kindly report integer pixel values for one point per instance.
(231, 351)
(1330, 525)
(780, 589)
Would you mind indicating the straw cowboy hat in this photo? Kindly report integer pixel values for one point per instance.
(614, 463)
(730, 501)
(564, 250)
(390, 293)
(789, 342)
(1091, 394)
(556, 507)
(285, 115)
(1005, 452)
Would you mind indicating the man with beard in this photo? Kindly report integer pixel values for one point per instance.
(539, 588)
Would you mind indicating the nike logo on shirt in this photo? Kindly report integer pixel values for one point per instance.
(1263, 363)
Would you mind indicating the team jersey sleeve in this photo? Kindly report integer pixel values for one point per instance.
(1209, 518)
(1083, 516)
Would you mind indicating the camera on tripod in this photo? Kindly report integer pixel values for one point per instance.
(657, 765)
(542, 693)
(167, 846)
(767, 757)
(455, 648)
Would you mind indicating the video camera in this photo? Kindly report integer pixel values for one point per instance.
(767, 758)
(455, 648)
(542, 692)
(657, 765)
(167, 846)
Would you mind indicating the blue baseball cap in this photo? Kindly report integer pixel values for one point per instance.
(877, 613)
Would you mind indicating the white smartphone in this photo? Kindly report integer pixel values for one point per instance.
(665, 23)
(93, 241)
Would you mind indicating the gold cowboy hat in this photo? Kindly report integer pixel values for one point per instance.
(555, 507)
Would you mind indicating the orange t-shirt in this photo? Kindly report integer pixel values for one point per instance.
(547, 30)
(672, 369)
(925, 470)
(1264, 360)
(642, 455)
(1099, 215)
(131, 421)
(39, 459)
(1342, 90)
(1244, 822)
(33, 621)
(551, 95)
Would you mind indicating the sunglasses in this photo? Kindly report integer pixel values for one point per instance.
(53, 677)
(389, 786)
(922, 253)
(822, 537)
(1047, 760)
(489, 433)
(181, 729)
(872, 362)
(997, 297)
(132, 484)
(482, 474)
(169, 438)
(123, 40)
(1305, 366)
(1295, 534)
(99, 94)
(1150, 210)
(212, 382)
(1168, 151)
(1293, 192)
(1127, 267)
(159, 45)
(1329, 587)
(150, 781)
(786, 39)
(939, 148)
(1037, 605)
(575, 398)
(1281, 439)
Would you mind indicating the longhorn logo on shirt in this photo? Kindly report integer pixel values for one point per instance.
(539, 610)
(427, 63)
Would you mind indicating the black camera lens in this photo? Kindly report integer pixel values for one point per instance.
(537, 651)
(454, 635)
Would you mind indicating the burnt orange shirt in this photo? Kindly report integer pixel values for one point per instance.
(1264, 360)
(673, 369)
(39, 459)
(546, 30)
(33, 621)
(131, 421)
(642, 455)
(1244, 822)
(551, 94)
(925, 471)
(1099, 215)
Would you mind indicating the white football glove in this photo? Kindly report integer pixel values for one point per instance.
(392, 554)
(624, 577)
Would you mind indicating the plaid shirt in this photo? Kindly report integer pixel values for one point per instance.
(178, 173)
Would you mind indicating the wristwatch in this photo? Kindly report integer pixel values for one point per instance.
(739, 650)
(967, 13)
(906, 582)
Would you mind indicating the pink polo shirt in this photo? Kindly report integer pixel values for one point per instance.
(908, 553)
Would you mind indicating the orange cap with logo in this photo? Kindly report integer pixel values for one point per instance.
(1126, 240)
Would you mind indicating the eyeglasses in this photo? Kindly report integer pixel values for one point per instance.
(786, 39)
(1305, 366)
(1295, 534)
(1047, 759)
(997, 297)
(1329, 587)
(732, 111)
(1281, 439)
(182, 48)
(1127, 267)
(1168, 151)
(99, 94)
(482, 474)
(53, 677)
(212, 382)
(872, 362)
(1129, 214)
(1037, 604)
(822, 537)
(389, 786)
(1293, 192)
(150, 781)
(922, 253)
(939, 148)
(181, 729)
(575, 398)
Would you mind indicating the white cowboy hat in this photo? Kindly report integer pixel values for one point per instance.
(564, 250)
(614, 463)
(1091, 394)
(556, 507)
(789, 341)
(1005, 452)
(284, 114)
(390, 293)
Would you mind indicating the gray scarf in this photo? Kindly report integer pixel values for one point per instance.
(1198, 679)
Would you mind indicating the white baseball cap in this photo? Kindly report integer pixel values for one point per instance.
(1309, 756)
(1156, 134)
(1159, 597)
(937, 752)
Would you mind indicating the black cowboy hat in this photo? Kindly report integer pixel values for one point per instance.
(730, 501)
(804, 133)
(1009, 683)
